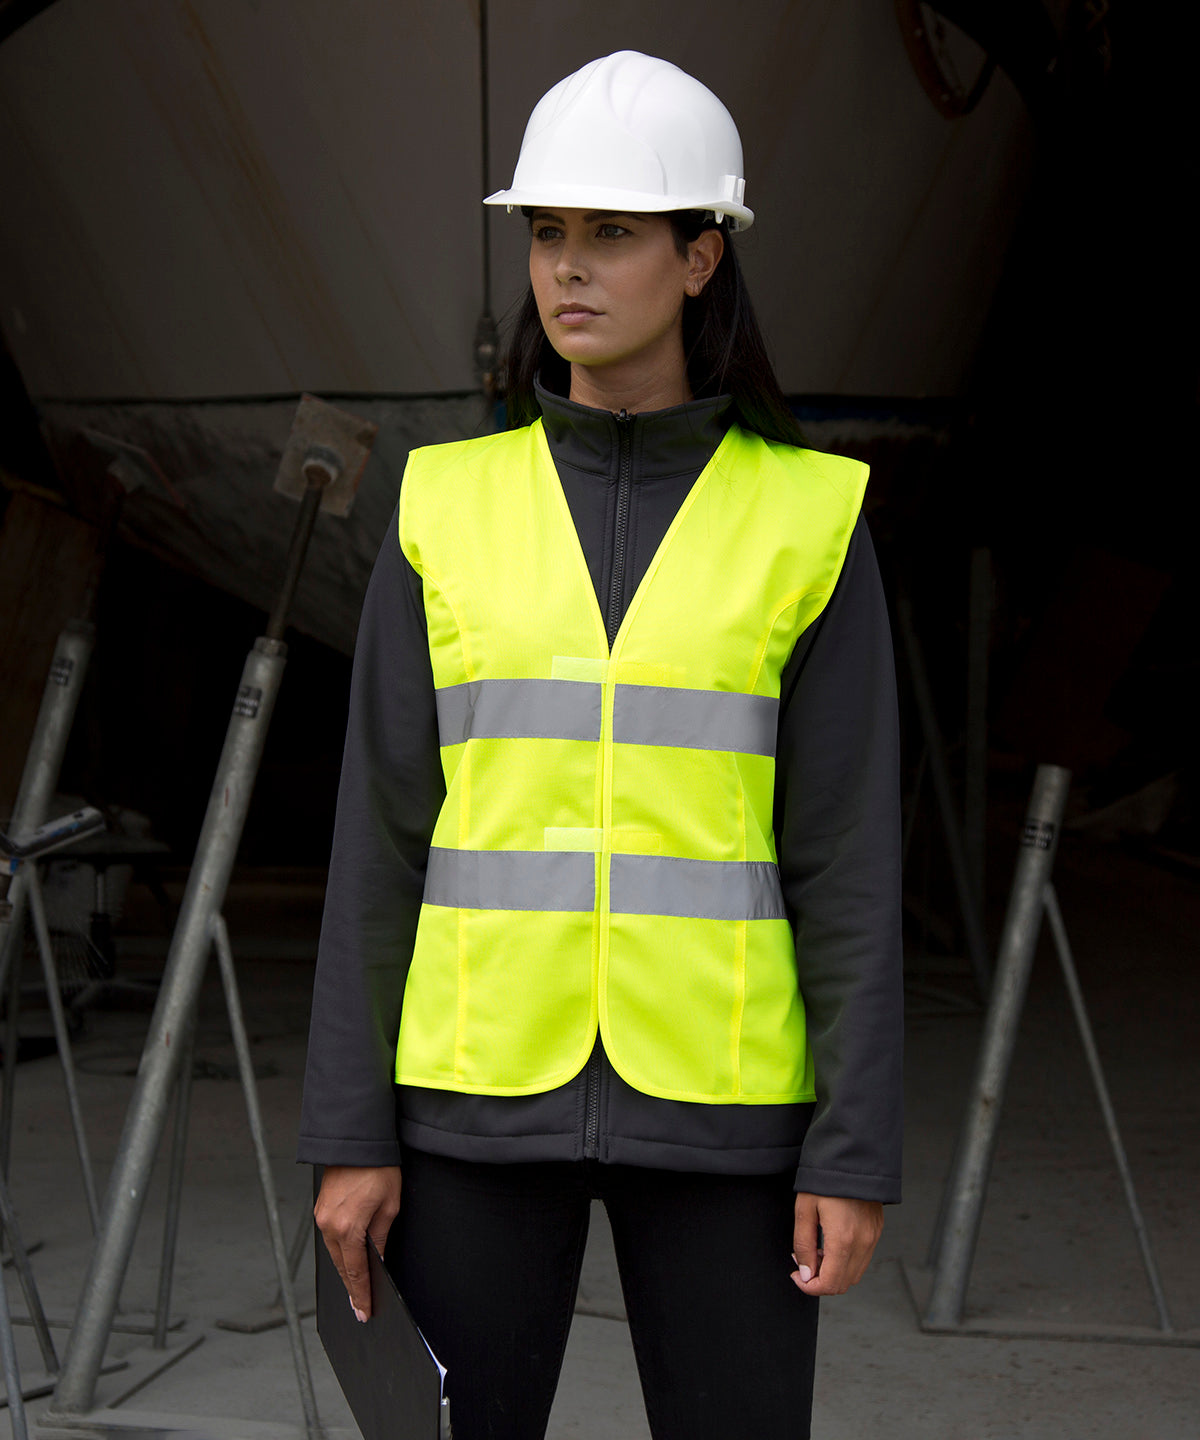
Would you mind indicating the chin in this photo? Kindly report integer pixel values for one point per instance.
(583, 355)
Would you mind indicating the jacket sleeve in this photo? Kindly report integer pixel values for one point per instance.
(390, 793)
(837, 828)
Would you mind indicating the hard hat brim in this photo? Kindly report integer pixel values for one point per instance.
(629, 202)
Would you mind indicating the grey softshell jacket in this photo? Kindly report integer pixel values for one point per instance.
(837, 834)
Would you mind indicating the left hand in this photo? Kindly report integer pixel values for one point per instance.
(850, 1231)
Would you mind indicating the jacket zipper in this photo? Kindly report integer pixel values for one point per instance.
(616, 595)
(616, 591)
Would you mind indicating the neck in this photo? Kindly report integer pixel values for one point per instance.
(629, 387)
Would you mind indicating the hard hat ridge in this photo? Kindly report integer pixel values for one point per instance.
(631, 132)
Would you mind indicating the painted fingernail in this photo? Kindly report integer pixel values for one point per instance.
(805, 1273)
(360, 1315)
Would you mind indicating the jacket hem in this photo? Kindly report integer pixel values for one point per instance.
(623, 1150)
(664, 1155)
(490, 1149)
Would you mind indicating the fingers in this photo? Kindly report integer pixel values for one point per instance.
(850, 1231)
(351, 1262)
(806, 1238)
(356, 1203)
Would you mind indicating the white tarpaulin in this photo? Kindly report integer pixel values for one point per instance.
(206, 198)
(212, 205)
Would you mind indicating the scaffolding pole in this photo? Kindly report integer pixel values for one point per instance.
(321, 467)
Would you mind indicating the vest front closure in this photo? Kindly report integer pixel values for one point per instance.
(594, 1079)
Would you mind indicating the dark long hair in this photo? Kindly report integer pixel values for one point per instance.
(722, 344)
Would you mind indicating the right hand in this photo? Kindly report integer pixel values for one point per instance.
(357, 1201)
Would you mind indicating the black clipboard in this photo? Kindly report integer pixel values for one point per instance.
(388, 1374)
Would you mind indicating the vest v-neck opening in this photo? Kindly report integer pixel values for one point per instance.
(549, 471)
(549, 474)
(649, 461)
(664, 545)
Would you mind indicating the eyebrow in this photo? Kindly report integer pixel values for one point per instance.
(591, 217)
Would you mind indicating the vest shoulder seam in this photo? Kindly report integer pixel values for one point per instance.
(837, 473)
(432, 460)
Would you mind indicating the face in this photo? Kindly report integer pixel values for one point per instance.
(610, 287)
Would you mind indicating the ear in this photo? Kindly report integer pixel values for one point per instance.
(704, 253)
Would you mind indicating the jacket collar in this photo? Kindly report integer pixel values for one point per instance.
(676, 441)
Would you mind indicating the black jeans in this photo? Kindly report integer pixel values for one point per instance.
(488, 1259)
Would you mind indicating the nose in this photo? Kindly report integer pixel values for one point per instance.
(569, 265)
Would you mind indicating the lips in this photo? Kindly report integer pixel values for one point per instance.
(572, 308)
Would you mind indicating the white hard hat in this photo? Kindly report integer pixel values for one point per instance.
(632, 133)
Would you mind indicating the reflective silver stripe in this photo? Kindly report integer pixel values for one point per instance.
(695, 719)
(640, 884)
(696, 889)
(518, 709)
(642, 715)
(511, 879)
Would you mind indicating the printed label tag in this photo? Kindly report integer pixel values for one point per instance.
(249, 697)
(60, 671)
(1037, 834)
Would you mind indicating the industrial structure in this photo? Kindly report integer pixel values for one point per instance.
(969, 273)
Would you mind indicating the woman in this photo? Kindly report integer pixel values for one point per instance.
(618, 825)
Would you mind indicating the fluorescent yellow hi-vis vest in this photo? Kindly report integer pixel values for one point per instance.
(605, 856)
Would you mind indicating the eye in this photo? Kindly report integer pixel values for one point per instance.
(547, 233)
(611, 231)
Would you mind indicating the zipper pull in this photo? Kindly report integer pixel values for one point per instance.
(624, 417)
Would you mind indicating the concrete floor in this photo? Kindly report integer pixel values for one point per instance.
(1056, 1244)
